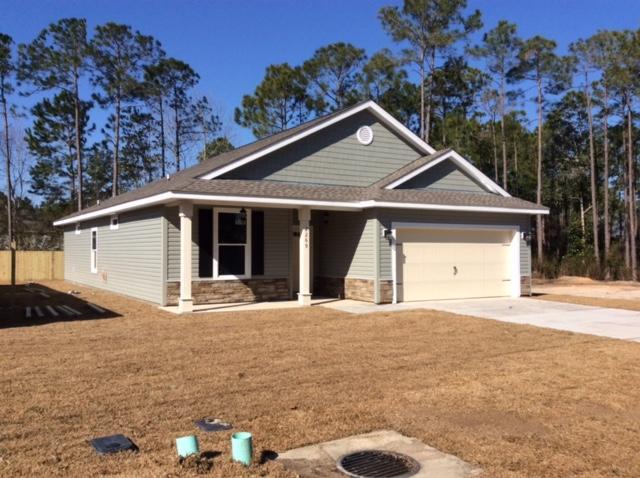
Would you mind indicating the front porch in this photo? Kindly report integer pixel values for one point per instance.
(240, 255)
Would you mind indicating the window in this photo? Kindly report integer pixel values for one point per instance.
(78, 230)
(94, 250)
(114, 222)
(232, 251)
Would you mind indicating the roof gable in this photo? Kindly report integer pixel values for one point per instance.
(445, 176)
(321, 124)
(334, 156)
(420, 166)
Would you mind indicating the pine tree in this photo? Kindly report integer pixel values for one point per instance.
(539, 63)
(280, 101)
(52, 143)
(57, 60)
(500, 50)
(119, 56)
(429, 27)
(7, 78)
(332, 73)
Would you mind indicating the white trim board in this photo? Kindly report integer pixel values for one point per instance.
(377, 110)
(249, 201)
(462, 163)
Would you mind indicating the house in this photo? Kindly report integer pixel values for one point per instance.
(352, 204)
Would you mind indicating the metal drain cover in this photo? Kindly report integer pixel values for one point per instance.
(378, 464)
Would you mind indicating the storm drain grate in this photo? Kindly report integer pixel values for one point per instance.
(378, 464)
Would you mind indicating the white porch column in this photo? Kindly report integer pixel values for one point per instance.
(185, 303)
(304, 296)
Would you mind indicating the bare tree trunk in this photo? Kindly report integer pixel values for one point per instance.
(505, 175)
(427, 128)
(163, 149)
(422, 95)
(495, 149)
(7, 152)
(592, 162)
(625, 215)
(607, 227)
(76, 98)
(539, 227)
(116, 151)
(583, 226)
(177, 138)
(632, 192)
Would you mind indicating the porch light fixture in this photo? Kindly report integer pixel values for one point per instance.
(241, 219)
(527, 237)
(388, 235)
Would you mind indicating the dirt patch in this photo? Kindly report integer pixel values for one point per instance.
(592, 301)
(518, 401)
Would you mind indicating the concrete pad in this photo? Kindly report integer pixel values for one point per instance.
(244, 306)
(320, 460)
(604, 322)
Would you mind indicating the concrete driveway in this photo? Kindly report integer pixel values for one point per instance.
(614, 323)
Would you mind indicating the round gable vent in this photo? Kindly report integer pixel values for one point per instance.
(365, 135)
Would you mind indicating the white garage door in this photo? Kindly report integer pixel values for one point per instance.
(452, 264)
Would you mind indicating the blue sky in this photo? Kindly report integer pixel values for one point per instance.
(230, 42)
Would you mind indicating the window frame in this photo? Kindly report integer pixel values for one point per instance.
(217, 244)
(112, 226)
(93, 252)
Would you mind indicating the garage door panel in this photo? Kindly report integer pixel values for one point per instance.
(448, 264)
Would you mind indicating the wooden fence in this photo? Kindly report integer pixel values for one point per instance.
(32, 265)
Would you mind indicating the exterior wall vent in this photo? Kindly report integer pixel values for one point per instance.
(365, 135)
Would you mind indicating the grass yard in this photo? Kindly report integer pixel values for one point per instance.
(516, 400)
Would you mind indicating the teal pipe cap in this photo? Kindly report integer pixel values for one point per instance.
(242, 447)
(187, 446)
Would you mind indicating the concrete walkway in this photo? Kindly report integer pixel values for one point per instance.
(614, 323)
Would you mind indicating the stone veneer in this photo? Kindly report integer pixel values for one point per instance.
(347, 288)
(386, 291)
(229, 291)
(525, 285)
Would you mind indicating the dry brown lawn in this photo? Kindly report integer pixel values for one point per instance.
(516, 400)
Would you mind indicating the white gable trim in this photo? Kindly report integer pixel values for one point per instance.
(462, 163)
(402, 130)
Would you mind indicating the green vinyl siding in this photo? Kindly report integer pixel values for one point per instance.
(345, 245)
(388, 216)
(444, 176)
(334, 156)
(276, 243)
(130, 259)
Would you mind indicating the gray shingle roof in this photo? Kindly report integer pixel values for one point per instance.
(186, 181)
(279, 190)
(181, 178)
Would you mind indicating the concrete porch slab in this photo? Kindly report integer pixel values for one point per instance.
(244, 306)
(320, 460)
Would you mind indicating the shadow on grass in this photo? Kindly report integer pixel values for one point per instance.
(45, 306)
